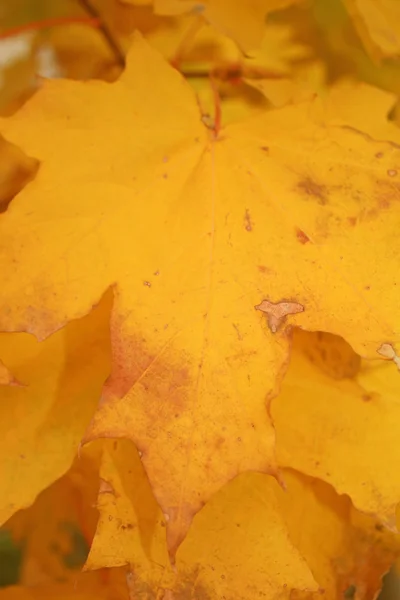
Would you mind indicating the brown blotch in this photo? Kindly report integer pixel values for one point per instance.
(379, 155)
(160, 382)
(329, 352)
(313, 190)
(189, 587)
(239, 335)
(220, 441)
(352, 221)
(248, 224)
(278, 311)
(366, 397)
(106, 487)
(265, 149)
(301, 236)
(387, 192)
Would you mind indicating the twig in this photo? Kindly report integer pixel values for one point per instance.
(104, 29)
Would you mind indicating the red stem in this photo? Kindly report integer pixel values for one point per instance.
(54, 22)
(217, 108)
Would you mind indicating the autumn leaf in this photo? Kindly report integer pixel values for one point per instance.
(344, 413)
(43, 421)
(194, 230)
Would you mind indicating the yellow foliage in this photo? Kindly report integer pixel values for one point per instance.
(199, 326)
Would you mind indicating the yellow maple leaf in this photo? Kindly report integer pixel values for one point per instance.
(42, 422)
(378, 24)
(341, 423)
(193, 230)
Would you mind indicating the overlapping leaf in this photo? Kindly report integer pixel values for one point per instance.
(43, 420)
(345, 429)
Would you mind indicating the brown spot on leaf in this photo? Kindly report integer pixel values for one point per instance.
(313, 190)
(301, 236)
(239, 335)
(265, 149)
(392, 172)
(366, 397)
(248, 225)
(387, 351)
(106, 487)
(219, 442)
(277, 312)
(190, 587)
(330, 353)
(387, 192)
(352, 221)
(264, 269)
(159, 381)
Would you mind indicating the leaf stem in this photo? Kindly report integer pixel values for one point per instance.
(45, 23)
(217, 107)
